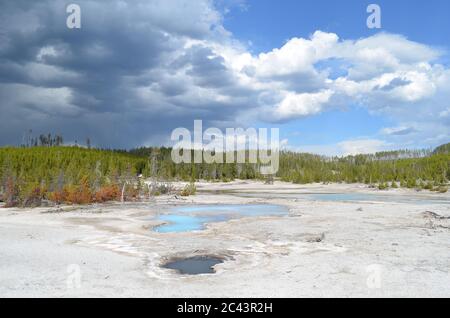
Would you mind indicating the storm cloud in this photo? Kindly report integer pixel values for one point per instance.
(136, 70)
(128, 77)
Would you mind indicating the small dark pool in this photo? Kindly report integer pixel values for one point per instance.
(194, 265)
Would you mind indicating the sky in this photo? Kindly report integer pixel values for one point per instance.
(136, 70)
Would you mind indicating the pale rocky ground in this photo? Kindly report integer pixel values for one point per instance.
(322, 249)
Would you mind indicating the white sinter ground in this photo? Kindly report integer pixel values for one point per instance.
(322, 249)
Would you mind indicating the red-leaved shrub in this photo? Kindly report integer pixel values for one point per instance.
(107, 193)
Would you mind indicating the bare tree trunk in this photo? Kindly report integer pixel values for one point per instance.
(149, 186)
(123, 192)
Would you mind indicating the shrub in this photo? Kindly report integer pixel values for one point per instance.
(411, 183)
(11, 195)
(428, 186)
(107, 193)
(78, 194)
(57, 196)
(32, 194)
(161, 188)
(165, 188)
(442, 189)
(131, 193)
(189, 189)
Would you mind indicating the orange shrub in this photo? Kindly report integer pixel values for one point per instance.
(11, 195)
(57, 196)
(78, 194)
(107, 193)
(83, 195)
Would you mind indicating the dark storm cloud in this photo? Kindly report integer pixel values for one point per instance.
(206, 68)
(125, 78)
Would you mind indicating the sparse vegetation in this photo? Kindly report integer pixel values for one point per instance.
(189, 189)
(75, 175)
(442, 189)
(161, 188)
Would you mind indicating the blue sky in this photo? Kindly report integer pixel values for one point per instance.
(265, 24)
(268, 24)
(138, 69)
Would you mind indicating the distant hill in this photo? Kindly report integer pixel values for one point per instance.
(442, 149)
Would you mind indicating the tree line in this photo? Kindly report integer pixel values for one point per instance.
(75, 175)
(47, 140)
(71, 175)
(403, 168)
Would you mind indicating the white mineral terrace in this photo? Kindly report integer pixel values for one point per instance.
(397, 244)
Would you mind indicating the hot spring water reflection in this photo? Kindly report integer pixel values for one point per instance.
(350, 197)
(194, 218)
